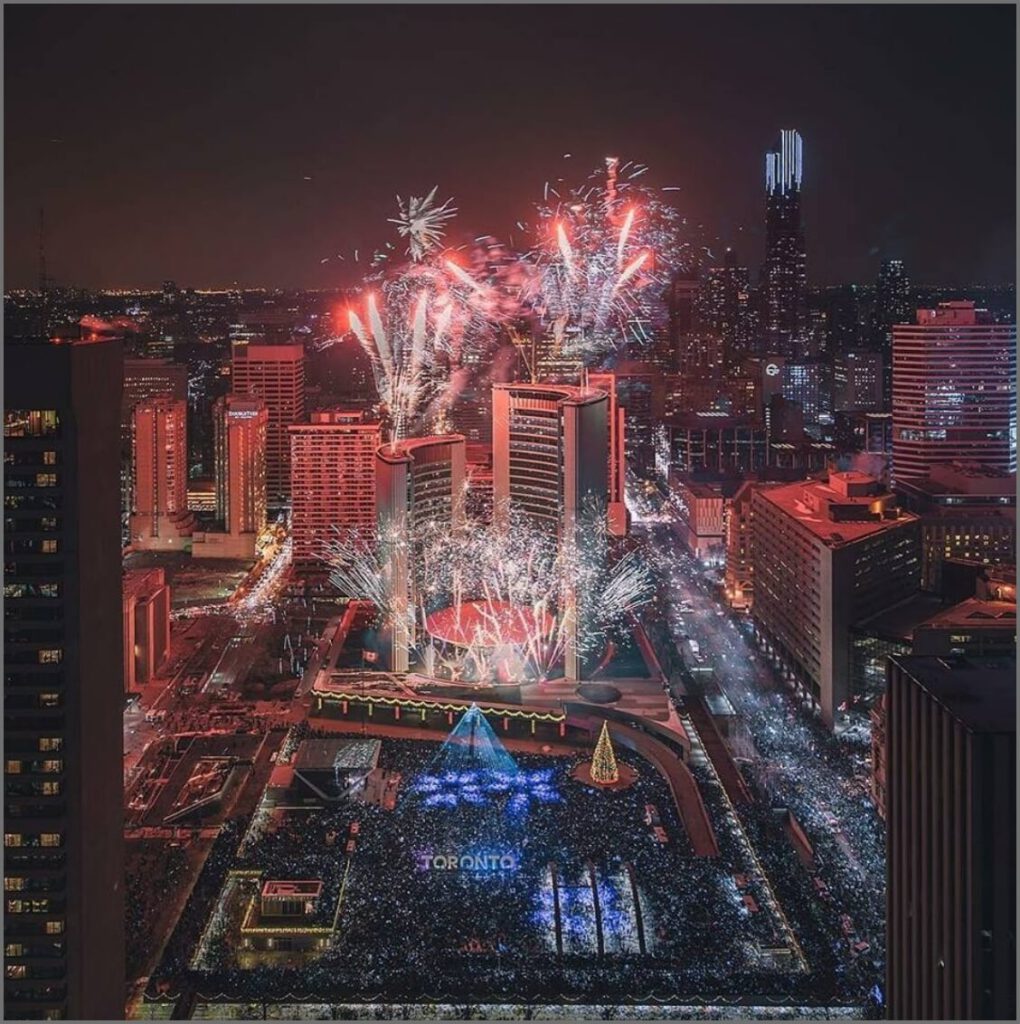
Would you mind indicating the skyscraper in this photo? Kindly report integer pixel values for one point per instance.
(784, 276)
(159, 508)
(724, 304)
(950, 774)
(276, 374)
(954, 391)
(892, 306)
(332, 469)
(63, 682)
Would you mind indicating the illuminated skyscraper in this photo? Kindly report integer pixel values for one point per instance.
(954, 391)
(418, 481)
(159, 507)
(276, 374)
(784, 276)
(332, 471)
(63, 683)
(619, 517)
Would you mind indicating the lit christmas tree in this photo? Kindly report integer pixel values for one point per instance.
(603, 764)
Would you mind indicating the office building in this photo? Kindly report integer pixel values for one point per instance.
(950, 767)
(150, 378)
(241, 426)
(641, 391)
(332, 469)
(146, 618)
(857, 380)
(701, 502)
(967, 511)
(892, 306)
(868, 432)
(809, 384)
(619, 517)
(63, 686)
(954, 391)
(716, 442)
(419, 482)
(736, 396)
(160, 519)
(725, 309)
(826, 554)
(784, 275)
(683, 325)
(550, 445)
(276, 374)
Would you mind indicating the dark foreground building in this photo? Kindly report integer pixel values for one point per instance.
(951, 790)
(63, 682)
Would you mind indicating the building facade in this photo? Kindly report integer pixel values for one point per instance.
(332, 472)
(954, 391)
(276, 374)
(950, 767)
(146, 616)
(825, 555)
(419, 483)
(784, 275)
(63, 685)
(160, 519)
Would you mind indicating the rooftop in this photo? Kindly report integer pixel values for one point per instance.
(331, 754)
(980, 693)
(845, 508)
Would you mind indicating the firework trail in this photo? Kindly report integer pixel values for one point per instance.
(508, 589)
(603, 256)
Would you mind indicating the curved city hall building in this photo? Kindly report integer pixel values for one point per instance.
(954, 391)
(418, 480)
(549, 452)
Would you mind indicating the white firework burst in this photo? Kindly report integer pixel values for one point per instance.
(423, 222)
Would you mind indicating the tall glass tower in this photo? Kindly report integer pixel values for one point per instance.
(784, 276)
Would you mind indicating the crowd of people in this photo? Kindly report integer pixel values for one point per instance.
(447, 935)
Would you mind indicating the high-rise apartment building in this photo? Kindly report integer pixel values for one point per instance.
(63, 687)
(241, 425)
(826, 554)
(276, 374)
(784, 275)
(150, 378)
(160, 519)
(954, 391)
(419, 482)
(332, 470)
(950, 790)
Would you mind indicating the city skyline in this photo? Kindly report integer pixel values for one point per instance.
(288, 149)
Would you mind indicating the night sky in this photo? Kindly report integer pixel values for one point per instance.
(174, 142)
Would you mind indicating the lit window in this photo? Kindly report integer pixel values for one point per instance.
(50, 655)
(49, 458)
(13, 838)
(14, 949)
(49, 700)
(49, 547)
(14, 883)
(13, 768)
(50, 743)
(46, 479)
(30, 422)
(49, 767)
(50, 839)
(51, 789)
(16, 970)
(54, 927)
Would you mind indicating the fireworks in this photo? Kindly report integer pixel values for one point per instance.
(603, 257)
(423, 223)
(503, 602)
